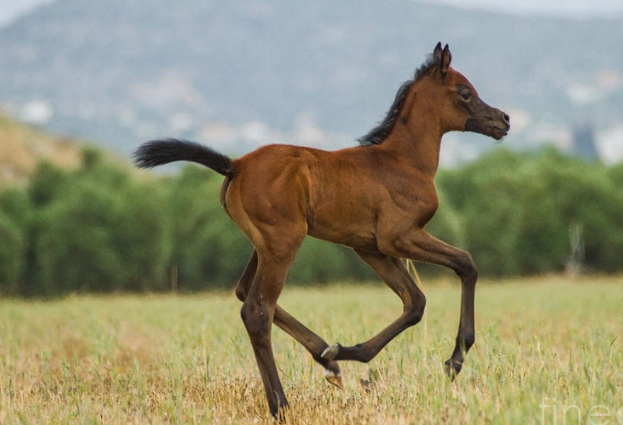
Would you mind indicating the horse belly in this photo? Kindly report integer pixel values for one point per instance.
(342, 222)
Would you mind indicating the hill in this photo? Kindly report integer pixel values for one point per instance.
(239, 74)
(22, 147)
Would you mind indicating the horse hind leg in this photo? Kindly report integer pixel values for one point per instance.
(257, 314)
(314, 344)
(245, 281)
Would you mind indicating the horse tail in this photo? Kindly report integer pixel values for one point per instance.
(160, 152)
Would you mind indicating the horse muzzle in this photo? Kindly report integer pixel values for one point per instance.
(494, 123)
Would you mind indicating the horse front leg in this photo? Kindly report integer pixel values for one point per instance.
(393, 272)
(466, 335)
(418, 245)
(423, 247)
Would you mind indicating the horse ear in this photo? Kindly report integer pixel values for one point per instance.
(446, 58)
(437, 53)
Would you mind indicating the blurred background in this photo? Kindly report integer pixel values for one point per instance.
(237, 75)
(241, 74)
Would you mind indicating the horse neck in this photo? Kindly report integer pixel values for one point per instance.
(416, 139)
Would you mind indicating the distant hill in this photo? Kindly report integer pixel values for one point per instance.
(23, 147)
(242, 73)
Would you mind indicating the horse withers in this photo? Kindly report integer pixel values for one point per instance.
(375, 198)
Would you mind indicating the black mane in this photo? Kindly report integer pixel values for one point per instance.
(379, 133)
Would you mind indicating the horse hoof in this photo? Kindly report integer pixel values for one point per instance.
(366, 384)
(330, 352)
(334, 378)
(452, 369)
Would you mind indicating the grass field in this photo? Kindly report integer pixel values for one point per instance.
(548, 351)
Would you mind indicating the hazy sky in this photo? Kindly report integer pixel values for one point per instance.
(10, 9)
(573, 8)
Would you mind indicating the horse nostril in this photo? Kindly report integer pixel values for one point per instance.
(507, 119)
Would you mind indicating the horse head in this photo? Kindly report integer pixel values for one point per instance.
(464, 109)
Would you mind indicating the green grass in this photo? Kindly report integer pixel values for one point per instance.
(548, 351)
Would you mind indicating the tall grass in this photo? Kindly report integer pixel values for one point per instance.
(548, 351)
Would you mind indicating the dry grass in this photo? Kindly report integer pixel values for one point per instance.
(22, 148)
(186, 359)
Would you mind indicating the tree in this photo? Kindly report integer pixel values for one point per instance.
(487, 198)
(571, 194)
(75, 249)
(12, 252)
(19, 215)
(520, 212)
(140, 237)
(207, 248)
(104, 232)
(323, 262)
(47, 183)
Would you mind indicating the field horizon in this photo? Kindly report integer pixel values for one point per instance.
(548, 351)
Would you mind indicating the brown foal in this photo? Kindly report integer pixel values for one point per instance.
(375, 198)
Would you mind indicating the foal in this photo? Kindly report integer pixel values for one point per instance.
(376, 199)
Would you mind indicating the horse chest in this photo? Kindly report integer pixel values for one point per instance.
(408, 208)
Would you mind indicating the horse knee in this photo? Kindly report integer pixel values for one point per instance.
(466, 268)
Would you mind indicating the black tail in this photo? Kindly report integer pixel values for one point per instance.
(160, 152)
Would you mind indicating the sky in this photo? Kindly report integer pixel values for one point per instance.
(565, 8)
(12, 9)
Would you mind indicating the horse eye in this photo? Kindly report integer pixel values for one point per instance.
(466, 95)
